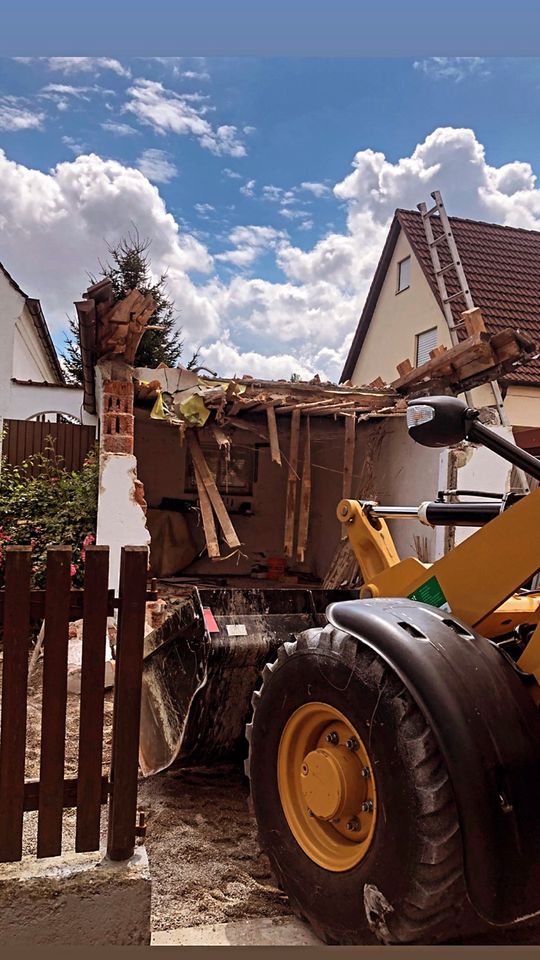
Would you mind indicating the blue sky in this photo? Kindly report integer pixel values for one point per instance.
(266, 185)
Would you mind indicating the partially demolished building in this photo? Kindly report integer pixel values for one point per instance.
(238, 479)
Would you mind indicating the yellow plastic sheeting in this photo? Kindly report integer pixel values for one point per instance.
(158, 410)
(194, 411)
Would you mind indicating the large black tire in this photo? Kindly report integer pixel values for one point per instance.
(409, 888)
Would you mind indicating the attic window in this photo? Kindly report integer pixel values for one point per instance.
(404, 274)
(425, 342)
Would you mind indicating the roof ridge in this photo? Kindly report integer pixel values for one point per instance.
(480, 223)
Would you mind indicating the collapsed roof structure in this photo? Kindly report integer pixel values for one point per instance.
(280, 421)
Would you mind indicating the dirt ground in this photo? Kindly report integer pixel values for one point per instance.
(201, 841)
(205, 861)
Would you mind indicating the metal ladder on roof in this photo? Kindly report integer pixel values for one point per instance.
(455, 265)
(441, 270)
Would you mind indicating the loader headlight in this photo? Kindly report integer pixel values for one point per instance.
(418, 414)
(438, 421)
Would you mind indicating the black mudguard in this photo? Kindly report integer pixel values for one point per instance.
(488, 731)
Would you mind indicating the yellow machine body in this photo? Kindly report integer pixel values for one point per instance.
(466, 581)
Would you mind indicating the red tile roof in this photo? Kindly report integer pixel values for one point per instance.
(502, 265)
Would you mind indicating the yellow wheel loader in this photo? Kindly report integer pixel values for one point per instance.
(394, 754)
(394, 740)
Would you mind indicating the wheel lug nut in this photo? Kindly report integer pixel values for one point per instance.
(365, 772)
(352, 743)
(367, 806)
(353, 825)
(332, 737)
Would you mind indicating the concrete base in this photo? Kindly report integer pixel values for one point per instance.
(76, 899)
(259, 932)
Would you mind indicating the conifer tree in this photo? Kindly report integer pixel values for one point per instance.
(129, 268)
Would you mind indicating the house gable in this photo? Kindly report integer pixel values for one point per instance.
(395, 318)
(30, 360)
(25, 335)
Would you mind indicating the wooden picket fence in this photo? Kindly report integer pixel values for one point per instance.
(58, 604)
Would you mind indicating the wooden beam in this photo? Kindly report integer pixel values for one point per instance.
(291, 485)
(474, 321)
(275, 452)
(378, 383)
(348, 456)
(207, 516)
(404, 367)
(437, 351)
(305, 498)
(210, 484)
(463, 353)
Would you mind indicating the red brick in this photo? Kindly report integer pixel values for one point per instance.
(116, 443)
(117, 423)
(118, 396)
(138, 494)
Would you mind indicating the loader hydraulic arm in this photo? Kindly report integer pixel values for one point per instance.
(470, 580)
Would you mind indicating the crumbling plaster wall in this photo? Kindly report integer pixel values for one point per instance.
(162, 469)
(121, 519)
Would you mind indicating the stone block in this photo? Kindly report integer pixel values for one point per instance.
(75, 900)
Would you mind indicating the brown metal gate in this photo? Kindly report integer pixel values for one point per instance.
(49, 795)
(71, 441)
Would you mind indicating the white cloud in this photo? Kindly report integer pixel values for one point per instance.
(60, 93)
(317, 189)
(16, 115)
(195, 75)
(203, 209)
(66, 89)
(232, 174)
(248, 188)
(293, 214)
(53, 228)
(170, 112)
(120, 129)
(225, 357)
(455, 69)
(69, 65)
(272, 193)
(250, 242)
(155, 165)
(74, 145)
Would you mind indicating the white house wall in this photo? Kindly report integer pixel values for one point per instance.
(11, 306)
(29, 361)
(29, 399)
(397, 318)
(391, 338)
(406, 475)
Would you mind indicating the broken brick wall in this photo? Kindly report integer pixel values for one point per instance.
(121, 504)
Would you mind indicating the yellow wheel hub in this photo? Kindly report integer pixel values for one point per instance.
(326, 786)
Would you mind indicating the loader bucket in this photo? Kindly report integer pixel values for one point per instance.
(202, 666)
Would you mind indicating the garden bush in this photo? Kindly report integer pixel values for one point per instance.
(43, 504)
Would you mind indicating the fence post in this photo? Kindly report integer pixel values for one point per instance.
(127, 703)
(53, 711)
(14, 693)
(95, 610)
